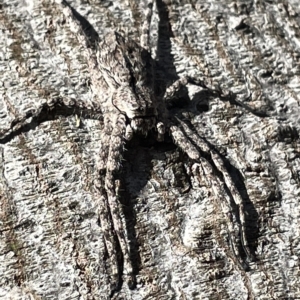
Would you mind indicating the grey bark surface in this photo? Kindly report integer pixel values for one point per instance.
(51, 243)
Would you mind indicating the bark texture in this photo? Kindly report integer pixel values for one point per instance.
(51, 243)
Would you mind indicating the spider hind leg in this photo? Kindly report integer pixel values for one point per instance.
(191, 143)
(108, 168)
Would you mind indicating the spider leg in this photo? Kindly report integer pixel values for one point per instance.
(112, 189)
(75, 25)
(184, 80)
(219, 191)
(228, 180)
(106, 226)
(180, 138)
(183, 143)
(160, 127)
(21, 120)
(98, 83)
(110, 210)
(236, 197)
(145, 36)
(104, 208)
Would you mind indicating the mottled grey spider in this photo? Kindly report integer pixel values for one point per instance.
(122, 70)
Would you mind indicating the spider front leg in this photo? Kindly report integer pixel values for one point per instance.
(109, 166)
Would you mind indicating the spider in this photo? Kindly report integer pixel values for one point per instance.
(123, 82)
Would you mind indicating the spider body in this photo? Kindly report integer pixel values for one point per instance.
(127, 71)
(122, 80)
(124, 69)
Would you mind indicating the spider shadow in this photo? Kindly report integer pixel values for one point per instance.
(137, 167)
(165, 70)
(200, 103)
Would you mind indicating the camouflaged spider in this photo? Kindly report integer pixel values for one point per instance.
(123, 69)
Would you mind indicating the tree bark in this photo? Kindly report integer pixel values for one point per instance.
(51, 242)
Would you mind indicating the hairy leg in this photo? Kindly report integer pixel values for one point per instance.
(184, 80)
(180, 138)
(112, 186)
(237, 199)
(21, 120)
(107, 229)
(145, 35)
(228, 180)
(104, 208)
(205, 171)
